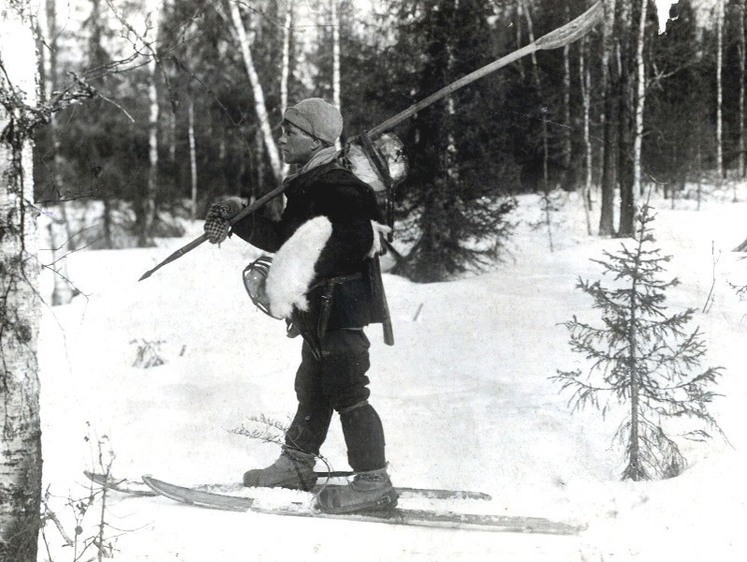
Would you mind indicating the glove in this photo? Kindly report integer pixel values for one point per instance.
(216, 223)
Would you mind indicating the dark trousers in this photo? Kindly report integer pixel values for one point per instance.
(332, 377)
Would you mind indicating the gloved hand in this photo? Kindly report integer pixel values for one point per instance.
(216, 223)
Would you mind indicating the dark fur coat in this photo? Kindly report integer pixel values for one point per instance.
(326, 231)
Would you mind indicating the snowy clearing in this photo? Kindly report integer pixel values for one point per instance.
(464, 396)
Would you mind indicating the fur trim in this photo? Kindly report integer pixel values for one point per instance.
(292, 268)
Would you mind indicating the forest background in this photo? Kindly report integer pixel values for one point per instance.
(147, 112)
(189, 97)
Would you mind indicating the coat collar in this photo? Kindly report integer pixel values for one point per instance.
(322, 157)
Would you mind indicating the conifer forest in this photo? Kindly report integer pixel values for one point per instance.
(186, 99)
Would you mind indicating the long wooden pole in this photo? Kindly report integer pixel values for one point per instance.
(560, 37)
(203, 237)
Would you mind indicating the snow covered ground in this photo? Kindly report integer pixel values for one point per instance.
(464, 395)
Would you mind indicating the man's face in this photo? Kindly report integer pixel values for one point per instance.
(296, 146)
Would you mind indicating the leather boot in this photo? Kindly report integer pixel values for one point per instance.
(371, 490)
(293, 469)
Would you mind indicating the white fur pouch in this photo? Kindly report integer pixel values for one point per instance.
(293, 267)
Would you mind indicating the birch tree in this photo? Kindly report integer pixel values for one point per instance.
(192, 153)
(567, 140)
(149, 200)
(609, 94)
(585, 86)
(20, 454)
(259, 97)
(544, 132)
(59, 228)
(719, 90)
(97, 57)
(742, 77)
(335, 57)
(639, 106)
(285, 65)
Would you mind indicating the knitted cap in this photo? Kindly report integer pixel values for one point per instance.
(317, 118)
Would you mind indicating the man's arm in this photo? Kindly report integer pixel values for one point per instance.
(259, 231)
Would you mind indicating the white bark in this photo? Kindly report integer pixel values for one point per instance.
(285, 68)
(719, 90)
(155, 8)
(519, 39)
(742, 77)
(259, 96)
(20, 442)
(544, 133)
(567, 145)
(336, 59)
(607, 180)
(192, 155)
(60, 231)
(640, 104)
(585, 81)
(62, 292)
(171, 116)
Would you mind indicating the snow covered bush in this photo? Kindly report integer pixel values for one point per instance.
(148, 354)
(644, 358)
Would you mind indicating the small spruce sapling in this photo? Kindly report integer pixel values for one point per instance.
(644, 357)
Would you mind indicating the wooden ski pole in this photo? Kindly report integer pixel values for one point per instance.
(203, 237)
(560, 37)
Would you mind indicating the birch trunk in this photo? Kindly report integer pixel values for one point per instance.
(639, 107)
(20, 438)
(336, 99)
(192, 154)
(519, 39)
(149, 199)
(62, 293)
(544, 132)
(567, 140)
(285, 69)
(609, 93)
(259, 96)
(60, 231)
(742, 77)
(171, 116)
(585, 82)
(538, 85)
(719, 90)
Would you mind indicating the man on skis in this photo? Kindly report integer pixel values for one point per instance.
(322, 281)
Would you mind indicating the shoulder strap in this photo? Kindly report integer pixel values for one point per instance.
(383, 171)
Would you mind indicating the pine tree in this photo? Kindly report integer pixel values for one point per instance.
(677, 84)
(644, 357)
(459, 160)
